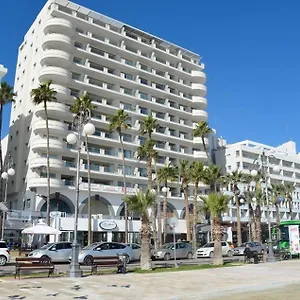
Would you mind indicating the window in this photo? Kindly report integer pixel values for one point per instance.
(79, 30)
(144, 67)
(127, 91)
(116, 246)
(143, 81)
(129, 62)
(128, 76)
(76, 76)
(79, 45)
(143, 96)
(78, 60)
(144, 111)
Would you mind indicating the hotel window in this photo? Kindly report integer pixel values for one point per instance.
(76, 76)
(129, 62)
(144, 111)
(79, 45)
(144, 67)
(79, 30)
(127, 91)
(78, 60)
(143, 81)
(128, 76)
(143, 96)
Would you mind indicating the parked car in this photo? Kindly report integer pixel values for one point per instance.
(4, 253)
(254, 246)
(58, 252)
(104, 249)
(136, 251)
(166, 252)
(208, 250)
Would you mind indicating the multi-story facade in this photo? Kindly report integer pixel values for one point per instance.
(3, 71)
(245, 156)
(120, 67)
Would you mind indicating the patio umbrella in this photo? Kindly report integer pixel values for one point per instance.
(41, 228)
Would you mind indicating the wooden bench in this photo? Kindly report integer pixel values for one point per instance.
(30, 263)
(107, 261)
(260, 257)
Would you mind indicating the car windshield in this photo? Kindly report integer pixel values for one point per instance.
(208, 245)
(47, 246)
(91, 246)
(167, 246)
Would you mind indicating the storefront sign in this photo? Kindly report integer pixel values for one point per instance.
(108, 225)
(18, 215)
(294, 239)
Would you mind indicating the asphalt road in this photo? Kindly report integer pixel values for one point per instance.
(62, 268)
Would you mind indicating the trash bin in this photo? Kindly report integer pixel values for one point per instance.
(255, 258)
(122, 265)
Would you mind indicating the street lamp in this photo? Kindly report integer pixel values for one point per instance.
(81, 124)
(173, 223)
(9, 171)
(264, 165)
(165, 190)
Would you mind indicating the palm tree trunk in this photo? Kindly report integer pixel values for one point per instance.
(290, 207)
(238, 218)
(206, 151)
(165, 213)
(145, 240)
(48, 166)
(149, 177)
(195, 218)
(277, 219)
(258, 223)
(252, 222)
(125, 188)
(158, 208)
(217, 236)
(1, 165)
(187, 214)
(89, 192)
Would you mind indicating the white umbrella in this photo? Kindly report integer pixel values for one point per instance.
(41, 228)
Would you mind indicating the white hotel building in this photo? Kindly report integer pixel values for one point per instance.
(242, 155)
(120, 67)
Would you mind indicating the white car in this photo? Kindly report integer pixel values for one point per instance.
(4, 253)
(136, 251)
(208, 250)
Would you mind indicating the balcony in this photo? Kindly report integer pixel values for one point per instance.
(55, 74)
(59, 25)
(42, 161)
(200, 114)
(39, 143)
(55, 127)
(42, 183)
(199, 76)
(200, 155)
(54, 109)
(201, 102)
(57, 41)
(54, 57)
(200, 89)
(62, 93)
(198, 140)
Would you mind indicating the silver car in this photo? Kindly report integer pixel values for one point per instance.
(254, 247)
(58, 252)
(101, 249)
(166, 252)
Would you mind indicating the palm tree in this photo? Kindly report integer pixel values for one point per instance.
(44, 94)
(202, 130)
(147, 150)
(140, 203)
(197, 173)
(216, 204)
(84, 103)
(148, 125)
(234, 179)
(118, 123)
(165, 174)
(213, 176)
(289, 188)
(6, 96)
(277, 191)
(184, 174)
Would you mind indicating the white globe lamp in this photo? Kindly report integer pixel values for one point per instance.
(89, 129)
(71, 138)
(4, 175)
(276, 169)
(153, 191)
(164, 189)
(253, 173)
(242, 201)
(11, 172)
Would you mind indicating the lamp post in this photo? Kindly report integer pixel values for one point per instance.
(9, 171)
(81, 124)
(165, 190)
(264, 166)
(173, 223)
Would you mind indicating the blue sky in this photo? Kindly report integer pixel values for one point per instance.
(251, 50)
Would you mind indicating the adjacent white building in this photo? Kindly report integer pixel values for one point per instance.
(3, 71)
(120, 67)
(243, 156)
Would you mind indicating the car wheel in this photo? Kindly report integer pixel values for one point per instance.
(211, 254)
(88, 260)
(229, 253)
(167, 256)
(3, 260)
(45, 259)
(190, 255)
(127, 259)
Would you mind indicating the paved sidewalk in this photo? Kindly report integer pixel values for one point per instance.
(263, 281)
